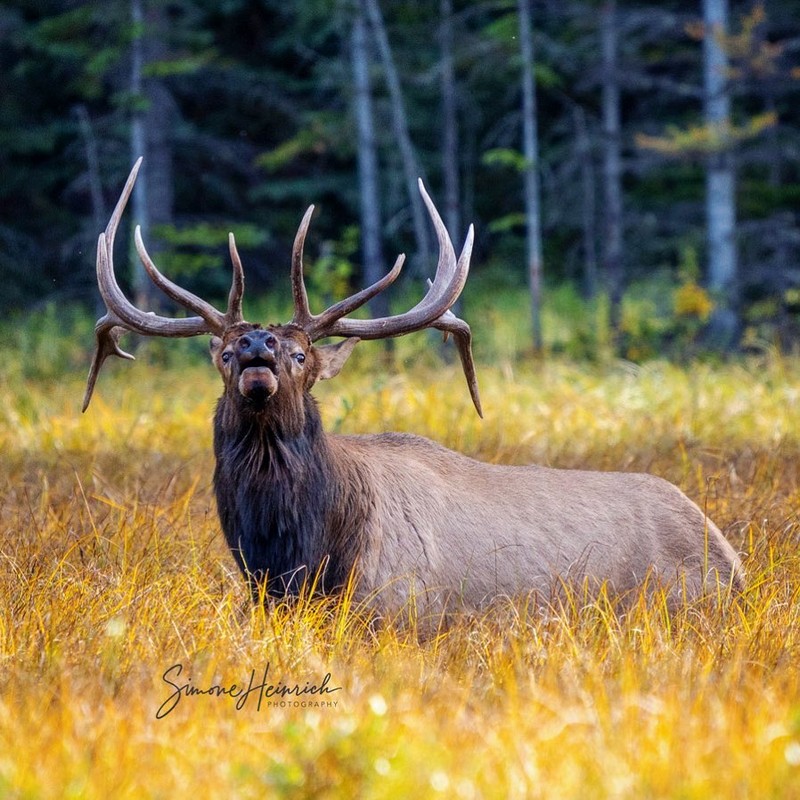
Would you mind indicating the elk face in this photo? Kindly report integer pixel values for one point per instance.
(275, 365)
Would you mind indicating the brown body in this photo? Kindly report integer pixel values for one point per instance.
(487, 530)
(411, 517)
(407, 519)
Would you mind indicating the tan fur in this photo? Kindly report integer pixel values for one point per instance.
(458, 529)
(415, 519)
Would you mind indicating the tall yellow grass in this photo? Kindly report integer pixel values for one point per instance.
(113, 570)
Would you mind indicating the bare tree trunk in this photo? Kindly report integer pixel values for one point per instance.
(411, 167)
(720, 180)
(450, 151)
(530, 149)
(99, 215)
(588, 203)
(153, 194)
(140, 216)
(612, 168)
(776, 154)
(374, 265)
(469, 152)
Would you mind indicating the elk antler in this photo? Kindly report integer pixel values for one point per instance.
(433, 311)
(122, 316)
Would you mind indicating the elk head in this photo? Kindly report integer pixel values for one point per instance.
(274, 367)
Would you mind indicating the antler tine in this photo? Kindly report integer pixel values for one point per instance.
(119, 208)
(440, 296)
(107, 333)
(123, 313)
(449, 323)
(212, 317)
(437, 294)
(234, 313)
(447, 285)
(316, 325)
(302, 313)
(432, 311)
(447, 265)
(321, 323)
(123, 316)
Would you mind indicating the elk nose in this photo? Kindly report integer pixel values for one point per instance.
(257, 344)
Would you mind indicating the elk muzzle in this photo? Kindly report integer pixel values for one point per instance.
(256, 353)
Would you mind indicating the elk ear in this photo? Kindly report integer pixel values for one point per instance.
(215, 346)
(333, 356)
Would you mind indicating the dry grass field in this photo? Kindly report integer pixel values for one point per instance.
(117, 589)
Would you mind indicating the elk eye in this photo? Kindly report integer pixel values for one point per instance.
(226, 357)
(300, 358)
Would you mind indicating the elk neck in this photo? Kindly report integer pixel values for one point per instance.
(282, 501)
(269, 443)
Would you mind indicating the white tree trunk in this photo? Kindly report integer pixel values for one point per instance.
(151, 137)
(140, 281)
(720, 180)
(612, 167)
(588, 202)
(411, 167)
(374, 267)
(530, 149)
(450, 151)
(99, 214)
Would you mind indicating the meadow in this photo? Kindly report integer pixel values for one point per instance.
(113, 572)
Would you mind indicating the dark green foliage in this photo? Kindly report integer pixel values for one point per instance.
(263, 128)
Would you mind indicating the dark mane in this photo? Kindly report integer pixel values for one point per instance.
(278, 498)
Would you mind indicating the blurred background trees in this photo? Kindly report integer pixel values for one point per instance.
(653, 149)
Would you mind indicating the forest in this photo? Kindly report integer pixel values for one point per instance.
(634, 165)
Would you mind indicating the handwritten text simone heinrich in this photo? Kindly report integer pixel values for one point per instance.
(258, 687)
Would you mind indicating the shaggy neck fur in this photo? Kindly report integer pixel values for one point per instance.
(280, 497)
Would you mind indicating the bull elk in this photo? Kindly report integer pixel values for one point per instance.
(397, 513)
